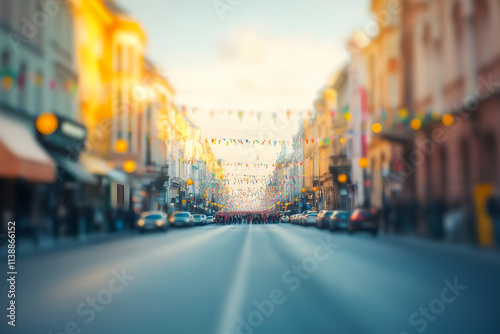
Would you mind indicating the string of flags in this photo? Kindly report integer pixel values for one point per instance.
(9, 78)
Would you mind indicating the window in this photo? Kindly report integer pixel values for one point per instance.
(119, 58)
(38, 93)
(458, 28)
(482, 30)
(4, 67)
(6, 12)
(21, 86)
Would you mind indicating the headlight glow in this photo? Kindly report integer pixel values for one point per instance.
(140, 223)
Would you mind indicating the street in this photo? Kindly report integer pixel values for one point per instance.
(259, 279)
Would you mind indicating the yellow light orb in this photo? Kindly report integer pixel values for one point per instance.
(303, 190)
(47, 123)
(315, 189)
(377, 127)
(7, 83)
(129, 166)
(447, 120)
(296, 199)
(347, 116)
(183, 201)
(342, 140)
(330, 94)
(121, 146)
(204, 195)
(363, 162)
(416, 124)
(189, 182)
(279, 202)
(342, 178)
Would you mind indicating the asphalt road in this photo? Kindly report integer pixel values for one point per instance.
(257, 279)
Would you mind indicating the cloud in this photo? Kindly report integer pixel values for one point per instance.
(255, 69)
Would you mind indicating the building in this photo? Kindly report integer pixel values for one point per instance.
(456, 155)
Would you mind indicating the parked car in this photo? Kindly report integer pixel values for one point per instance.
(309, 218)
(198, 219)
(293, 219)
(181, 219)
(363, 220)
(285, 218)
(204, 219)
(339, 220)
(152, 220)
(323, 219)
(210, 219)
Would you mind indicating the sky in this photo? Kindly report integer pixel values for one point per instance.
(264, 56)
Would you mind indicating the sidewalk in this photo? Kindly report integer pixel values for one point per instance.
(440, 246)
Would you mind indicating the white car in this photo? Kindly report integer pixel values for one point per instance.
(309, 218)
(210, 219)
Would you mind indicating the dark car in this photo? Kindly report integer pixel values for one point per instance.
(339, 220)
(363, 220)
(153, 220)
(323, 219)
(181, 219)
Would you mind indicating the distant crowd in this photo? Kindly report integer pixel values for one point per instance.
(247, 217)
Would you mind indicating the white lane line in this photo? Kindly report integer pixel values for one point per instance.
(236, 293)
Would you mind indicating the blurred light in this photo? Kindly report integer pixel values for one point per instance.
(363, 162)
(129, 166)
(7, 83)
(377, 127)
(303, 190)
(121, 146)
(140, 223)
(46, 123)
(416, 124)
(447, 120)
(342, 140)
(368, 184)
(342, 178)
(189, 182)
(347, 116)
(159, 223)
(330, 94)
(315, 189)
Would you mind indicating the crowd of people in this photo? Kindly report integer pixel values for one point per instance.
(247, 217)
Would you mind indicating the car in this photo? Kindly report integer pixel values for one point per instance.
(181, 219)
(323, 219)
(285, 218)
(293, 219)
(152, 220)
(309, 218)
(210, 219)
(198, 219)
(339, 220)
(363, 220)
(204, 219)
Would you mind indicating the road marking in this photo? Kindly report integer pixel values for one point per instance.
(236, 293)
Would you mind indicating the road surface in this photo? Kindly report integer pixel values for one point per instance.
(258, 279)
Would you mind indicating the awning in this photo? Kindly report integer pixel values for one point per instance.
(73, 171)
(20, 154)
(98, 166)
